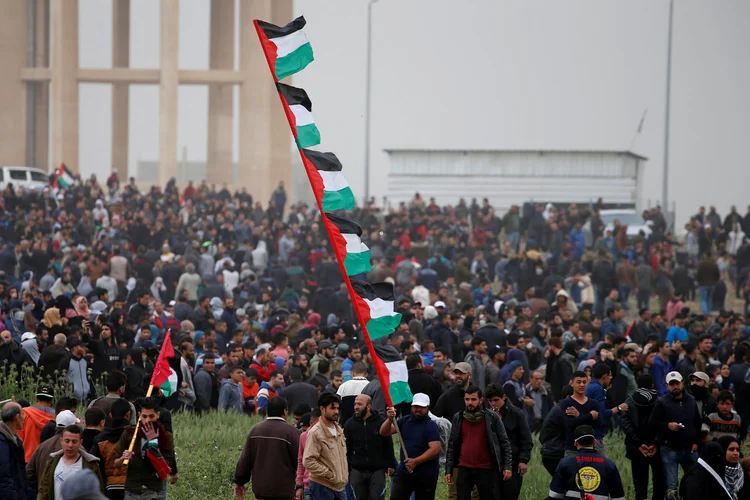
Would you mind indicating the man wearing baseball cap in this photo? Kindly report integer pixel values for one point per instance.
(35, 418)
(419, 472)
(452, 400)
(677, 421)
(586, 474)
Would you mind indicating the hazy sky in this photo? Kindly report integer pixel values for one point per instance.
(481, 74)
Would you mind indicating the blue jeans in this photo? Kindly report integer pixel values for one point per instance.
(513, 237)
(320, 492)
(706, 294)
(624, 294)
(670, 460)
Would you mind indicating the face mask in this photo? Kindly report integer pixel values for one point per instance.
(719, 379)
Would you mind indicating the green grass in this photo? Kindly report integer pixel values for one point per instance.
(208, 447)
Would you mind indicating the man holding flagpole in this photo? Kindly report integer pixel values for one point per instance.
(147, 448)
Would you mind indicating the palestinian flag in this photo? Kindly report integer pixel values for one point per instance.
(63, 177)
(393, 375)
(328, 183)
(376, 305)
(348, 242)
(298, 109)
(164, 377)
(286, 48)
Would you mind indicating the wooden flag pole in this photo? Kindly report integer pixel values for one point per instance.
(137, 427)
(400, 439)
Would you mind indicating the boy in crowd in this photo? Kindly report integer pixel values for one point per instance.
(725, 422)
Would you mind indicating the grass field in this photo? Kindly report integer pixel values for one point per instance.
(208, 447)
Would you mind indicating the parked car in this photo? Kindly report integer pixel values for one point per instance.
(28, 177)
(631, 218)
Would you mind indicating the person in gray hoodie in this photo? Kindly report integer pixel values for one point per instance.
(644, 278)
(76, 367)
(474, 358)
(188, 283)
(230, 397)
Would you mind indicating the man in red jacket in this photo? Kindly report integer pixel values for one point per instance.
(263, 364)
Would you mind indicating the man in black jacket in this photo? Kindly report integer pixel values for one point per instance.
(369, 454)
(452, 400)
(521, 443)
(420, 381)
(479, 448)
(676, 419)
(640, 439)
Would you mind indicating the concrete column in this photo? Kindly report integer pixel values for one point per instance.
(64, 86)
(265, 150)
(41, 141)
(120, 91)
(168, 90)
(221, 96)
(13, 26)
(281, 136)
(256, 95)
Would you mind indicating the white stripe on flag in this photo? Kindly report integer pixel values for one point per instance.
(285, 45)
(397, 371)
(380, 308)
(354, 244)
(301, 115)
(333, 181)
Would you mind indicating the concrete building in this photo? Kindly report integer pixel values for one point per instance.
(41, 75)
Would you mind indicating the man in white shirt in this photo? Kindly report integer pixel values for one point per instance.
(66, 463)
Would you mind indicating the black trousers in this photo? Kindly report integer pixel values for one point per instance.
(551, 464)
(368, 484)
(483, 479)
(511, 489)
(404, 484)
(639, 466)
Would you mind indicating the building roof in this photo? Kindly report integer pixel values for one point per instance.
(527, 151)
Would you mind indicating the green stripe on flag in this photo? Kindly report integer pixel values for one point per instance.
(294, 62)
(338, 200)
(357, 263)
(383, 326)
(307, 136)
(400, 392)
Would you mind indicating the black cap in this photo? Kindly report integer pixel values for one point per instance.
(583, 431)
(45, 391)
(305, 420)
(249, 345)
(73, 342)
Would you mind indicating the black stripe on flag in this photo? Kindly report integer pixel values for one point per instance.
(326, 162)
(294, 95)
(372, 291)
(387, 353)
(346, 226)
(273, 31)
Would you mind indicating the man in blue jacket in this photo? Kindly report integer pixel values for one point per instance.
(596, 391)
(676, 419)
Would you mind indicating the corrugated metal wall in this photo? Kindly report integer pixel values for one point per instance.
(513, 177)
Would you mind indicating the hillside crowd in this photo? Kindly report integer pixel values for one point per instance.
(512, 325)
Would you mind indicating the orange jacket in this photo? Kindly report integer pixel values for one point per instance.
(34, 420)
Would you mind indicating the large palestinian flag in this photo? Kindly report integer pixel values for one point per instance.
(328, 182)
(287, 49)
(376, 305)
(298, 109)
(348, 242)
(393, 375)
(164, 377)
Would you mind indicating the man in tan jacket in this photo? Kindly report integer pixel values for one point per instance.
(325, 452)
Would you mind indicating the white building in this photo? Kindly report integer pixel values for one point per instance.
(488, 75)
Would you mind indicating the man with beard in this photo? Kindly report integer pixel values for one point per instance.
(623, 384)
(107, 355)
(478, 449)
(452, 400)
(417, 474)
(676, 419)
(705, 401)
(369, 454)
(519, 435)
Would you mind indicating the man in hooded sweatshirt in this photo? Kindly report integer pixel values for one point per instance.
(474, 358)
(35, 418)
(230, 397)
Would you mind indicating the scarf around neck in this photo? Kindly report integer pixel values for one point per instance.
(734, 477)
(474, 416)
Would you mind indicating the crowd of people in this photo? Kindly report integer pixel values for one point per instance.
(511, 326)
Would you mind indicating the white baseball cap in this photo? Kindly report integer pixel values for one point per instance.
(66, 418)
(440, 303)
(421, 399)
(674, 377)
(28, 335)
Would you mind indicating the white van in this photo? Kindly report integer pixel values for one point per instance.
(30, 178)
